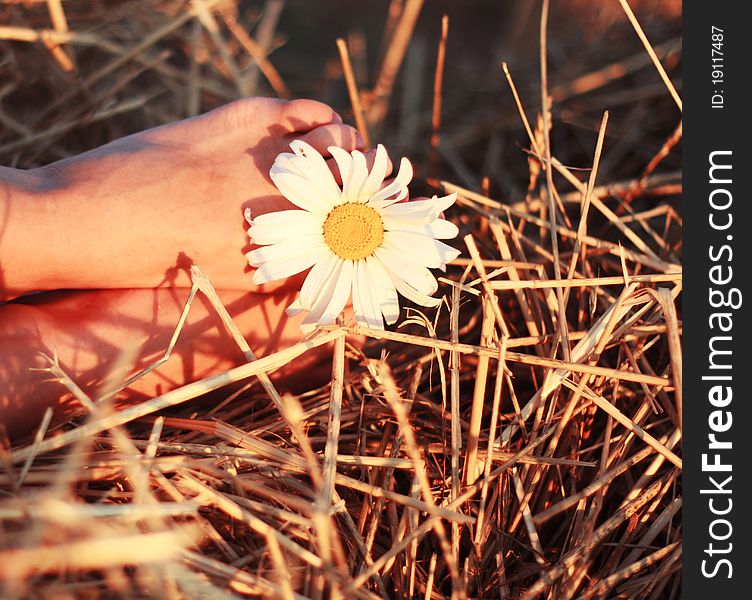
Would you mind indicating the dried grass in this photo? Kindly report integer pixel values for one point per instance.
(523, 443)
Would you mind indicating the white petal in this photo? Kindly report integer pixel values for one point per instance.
(341, 294)
(285, 249)
(325, 293)
(358, 176)
(357, 300)
(440, 229)
(294, 308)
(344, 164)
(304, 149)
(369, 297)
(279, 269)
(277, 226)
(445, 201)
(317, 279)
(315, 169)
(412, 294)
(286, 162)
(415, 211)
(415, 275)
(377, 174)
(386, 196)
(298, 190)
(387, 294)
(369, 311)
(420, 211)
(424, 250)
(330, 304)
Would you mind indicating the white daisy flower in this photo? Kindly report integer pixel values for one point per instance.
(359, 239)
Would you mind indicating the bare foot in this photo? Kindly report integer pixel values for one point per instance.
(136, 212)
(90, 330)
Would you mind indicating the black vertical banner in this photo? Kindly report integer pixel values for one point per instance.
(717, 443)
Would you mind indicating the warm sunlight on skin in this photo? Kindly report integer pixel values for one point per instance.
(136, 214)
(91, 331)
(126, 214)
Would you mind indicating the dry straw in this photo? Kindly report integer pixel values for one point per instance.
(524, 443)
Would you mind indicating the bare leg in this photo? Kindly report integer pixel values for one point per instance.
(90, 329)
(120, 216)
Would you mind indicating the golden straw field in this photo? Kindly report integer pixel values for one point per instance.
(521, 441)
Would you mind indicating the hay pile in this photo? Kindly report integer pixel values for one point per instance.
(523, 441)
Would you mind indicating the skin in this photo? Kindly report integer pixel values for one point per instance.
(118, 227)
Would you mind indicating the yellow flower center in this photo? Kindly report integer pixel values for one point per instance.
(353, 230)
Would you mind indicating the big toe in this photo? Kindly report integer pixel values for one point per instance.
(342, 136)
(304, 115)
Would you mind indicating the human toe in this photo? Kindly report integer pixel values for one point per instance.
(342, 136)
(304, 115)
